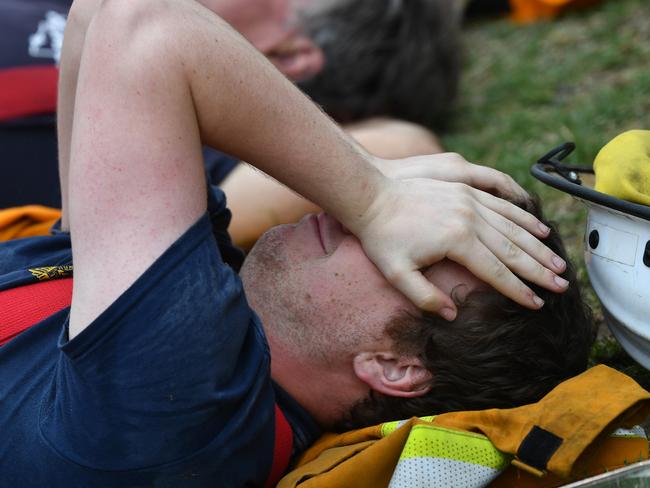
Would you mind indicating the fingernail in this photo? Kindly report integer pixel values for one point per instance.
(561, 282)
(544, 228)
(559, 262)
(448, 314)
(538, 301)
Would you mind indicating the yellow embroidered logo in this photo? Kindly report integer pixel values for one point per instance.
(51, 272)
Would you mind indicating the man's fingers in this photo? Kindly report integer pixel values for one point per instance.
(482, 262)
(424, 294)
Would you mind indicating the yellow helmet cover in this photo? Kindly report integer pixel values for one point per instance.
(622, 167)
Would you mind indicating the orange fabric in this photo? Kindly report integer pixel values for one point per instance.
(612, 453)
(531, 10)
(580, 409)
(28, 221)
(368, 459)
(373, 460)
(329, 440)
(583, 411)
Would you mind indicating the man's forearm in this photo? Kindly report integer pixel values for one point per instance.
(155, 80)
(246, 108)
(259, 202)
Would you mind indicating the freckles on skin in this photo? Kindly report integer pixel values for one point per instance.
(318, 293)
(346, 273)
(349, 287)
(349, 260)
(350, 280)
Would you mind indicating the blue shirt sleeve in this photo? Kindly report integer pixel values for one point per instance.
(177, 364)
(218, 165)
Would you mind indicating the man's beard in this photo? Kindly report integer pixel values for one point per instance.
(270, 290)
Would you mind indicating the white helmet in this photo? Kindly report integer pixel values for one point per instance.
(617, 252)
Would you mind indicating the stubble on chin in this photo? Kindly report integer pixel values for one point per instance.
(267, 279)
(273, 289)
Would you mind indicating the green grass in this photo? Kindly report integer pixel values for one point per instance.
(584, 77)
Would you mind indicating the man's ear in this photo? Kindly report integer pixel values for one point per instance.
(298, 57)
(392, 375)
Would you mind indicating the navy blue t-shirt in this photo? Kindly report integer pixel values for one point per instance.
(170, 386)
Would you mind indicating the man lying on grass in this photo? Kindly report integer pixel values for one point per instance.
(161, 373)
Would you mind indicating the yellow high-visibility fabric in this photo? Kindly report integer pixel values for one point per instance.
(583, 411)
(531, 10)
(27, 221)
(622, 167)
